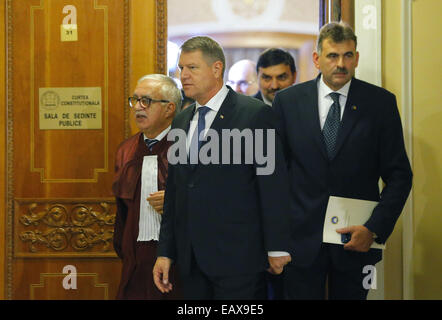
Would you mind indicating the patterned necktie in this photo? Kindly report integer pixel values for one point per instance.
(196, 142)
(150, 143)
(331, 126)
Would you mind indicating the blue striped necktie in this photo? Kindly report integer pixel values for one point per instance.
(196, 142)
(150, 143)
(331, 125)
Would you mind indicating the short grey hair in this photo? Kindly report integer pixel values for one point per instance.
(210, 49)
(337, 32)
(169, 89)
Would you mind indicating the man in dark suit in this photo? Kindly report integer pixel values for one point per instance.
(340, 136)
(276, 70)
(223, 223)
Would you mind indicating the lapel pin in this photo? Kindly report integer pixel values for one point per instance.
(221, 116)
(354, 107)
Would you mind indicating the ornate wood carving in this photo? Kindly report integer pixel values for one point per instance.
(161, 17)
(10, 155)
(126, 68)
(65, 226)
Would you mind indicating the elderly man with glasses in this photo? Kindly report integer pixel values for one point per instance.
(140, 177)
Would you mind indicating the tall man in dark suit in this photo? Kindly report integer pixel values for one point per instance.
(340, 136)
(224, 223)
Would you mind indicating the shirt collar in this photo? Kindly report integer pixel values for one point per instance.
(325, 90)
(161, 135)
(266, 101)
(217, 100)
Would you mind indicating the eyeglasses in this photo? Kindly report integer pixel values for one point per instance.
(144, 101)
(243, 84)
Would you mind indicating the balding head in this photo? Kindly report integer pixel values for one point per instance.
(242, 77)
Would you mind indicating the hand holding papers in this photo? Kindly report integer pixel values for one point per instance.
(343, 213)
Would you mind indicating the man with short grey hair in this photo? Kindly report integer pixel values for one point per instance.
(223, 223)
(340, 135)
(140, 178)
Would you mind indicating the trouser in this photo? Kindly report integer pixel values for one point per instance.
(199, 286)
(310, 282)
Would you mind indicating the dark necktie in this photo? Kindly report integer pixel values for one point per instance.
(331, 126)
(150, 143)
(196, 142)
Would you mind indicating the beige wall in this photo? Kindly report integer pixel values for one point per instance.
(391, 80)
(427, 148)
(201, 11)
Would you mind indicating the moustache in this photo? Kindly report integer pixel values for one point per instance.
(341, 70)
(273, 90)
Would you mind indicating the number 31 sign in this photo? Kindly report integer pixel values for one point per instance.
(69, 30)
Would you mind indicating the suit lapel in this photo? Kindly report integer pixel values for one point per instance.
(223, 115)
(352, 113)
(312, 115)
(219, 123)
(187, 117)
(183, 123)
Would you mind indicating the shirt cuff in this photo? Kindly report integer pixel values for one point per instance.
(277, 253)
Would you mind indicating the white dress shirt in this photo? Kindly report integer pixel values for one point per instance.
(161, 135)
(150, 220)
(215, 104)
(325, 101)
(265, 100)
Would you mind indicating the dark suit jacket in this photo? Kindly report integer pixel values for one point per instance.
(370, 145)
(258, 96)
(229, 216)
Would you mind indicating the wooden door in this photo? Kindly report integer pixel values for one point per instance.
(68, 81)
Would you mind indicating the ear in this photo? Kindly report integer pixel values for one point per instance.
(316, 59)
(217, 68)
(357, 58)
(170, 110)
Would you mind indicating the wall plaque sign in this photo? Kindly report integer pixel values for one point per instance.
(70, 108)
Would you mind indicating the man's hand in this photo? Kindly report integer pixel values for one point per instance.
(361, 238)
(277, 264)
(156, 200)
(161, 274)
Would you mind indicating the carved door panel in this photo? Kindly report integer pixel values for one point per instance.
(68, 81)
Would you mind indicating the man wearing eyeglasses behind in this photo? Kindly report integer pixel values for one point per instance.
(140, 177)
(276, 71)
(243, 77)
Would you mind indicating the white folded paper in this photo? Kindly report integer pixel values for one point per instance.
(345, 212)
